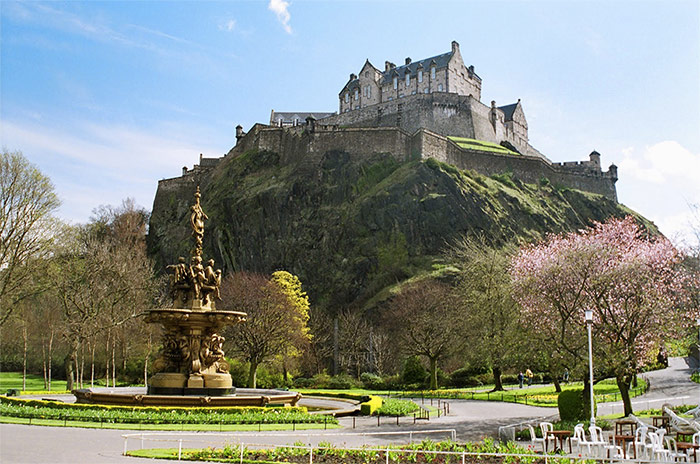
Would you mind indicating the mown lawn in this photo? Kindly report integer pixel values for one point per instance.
(13, 380)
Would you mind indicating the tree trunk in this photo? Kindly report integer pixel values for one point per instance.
(107, 360)
(498, 386)
(24, 357)
(43, 363)
(92, 363)
(555, 381)
(71, 360)
(114, 361)
(623, 383)
(50, 356)
(586, 396)
(145, 361)
(252, 374)
(433, 373)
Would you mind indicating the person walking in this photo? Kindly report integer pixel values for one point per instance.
(521, 377)
(529, 375)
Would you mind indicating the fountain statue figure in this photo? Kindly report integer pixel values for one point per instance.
(191, 360)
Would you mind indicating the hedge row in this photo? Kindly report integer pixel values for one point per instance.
(162, 416)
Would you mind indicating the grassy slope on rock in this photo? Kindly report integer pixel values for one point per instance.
(351, 227)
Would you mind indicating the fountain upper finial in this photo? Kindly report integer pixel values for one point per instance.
(197, 221)
(195, 286)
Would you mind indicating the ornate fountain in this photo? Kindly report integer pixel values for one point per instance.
(190, 369)
(191, 360)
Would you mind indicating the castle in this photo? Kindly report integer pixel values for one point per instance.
(429, 108)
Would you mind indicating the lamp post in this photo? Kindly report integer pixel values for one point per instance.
(589, 324)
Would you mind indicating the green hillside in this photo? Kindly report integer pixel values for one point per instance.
(351, 227)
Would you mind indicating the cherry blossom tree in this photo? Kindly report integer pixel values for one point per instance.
(631, 280)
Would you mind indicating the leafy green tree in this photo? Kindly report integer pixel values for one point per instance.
(489, 313)
(274, 326)
(27, 202)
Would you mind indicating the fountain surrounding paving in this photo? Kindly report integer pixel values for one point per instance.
(190, 369)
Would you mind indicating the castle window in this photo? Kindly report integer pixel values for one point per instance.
(425, 90)
(347, 98)
(432, 72)
(408, 79)
(396, 82)
(439, 87)
(420, 75)
(357, 94)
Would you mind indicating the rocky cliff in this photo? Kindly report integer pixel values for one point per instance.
(351, 226)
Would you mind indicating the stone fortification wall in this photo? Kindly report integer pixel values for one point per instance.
(441, 112)
(294, 143)
(530, 169)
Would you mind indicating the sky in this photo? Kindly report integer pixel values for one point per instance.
(108, 97)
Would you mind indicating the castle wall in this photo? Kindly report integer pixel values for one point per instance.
(294, 143)
(444, 113)
(528, 169)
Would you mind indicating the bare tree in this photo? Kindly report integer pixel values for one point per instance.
(425, 320)
(27, 201)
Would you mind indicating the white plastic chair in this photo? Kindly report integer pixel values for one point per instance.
(604, 449)
(656, 449)
(579, 442)
(673, 453)
(548, 427)
(534, 439)
(640, 443)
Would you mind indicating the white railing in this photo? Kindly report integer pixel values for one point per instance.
(213, 439)
(390, 454)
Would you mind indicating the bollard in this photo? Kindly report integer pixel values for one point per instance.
(378, 420)
(179, 450)
(397, 419)
(311, 455)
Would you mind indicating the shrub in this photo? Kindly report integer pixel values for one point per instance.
(371, 381)
(342, 382)
(413, 371)
(571, 407)
(370, 406)
(321, 380)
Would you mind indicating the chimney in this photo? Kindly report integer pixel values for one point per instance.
(352, 76)
(387, 66)
(239, 132)
(595, 159)
(184, 170)
(408, 60)
(455, 46)
(493, 104)
(471, 69)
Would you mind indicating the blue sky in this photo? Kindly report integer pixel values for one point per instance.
(109, 97)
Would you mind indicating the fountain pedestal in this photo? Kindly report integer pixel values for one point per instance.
(191, 361)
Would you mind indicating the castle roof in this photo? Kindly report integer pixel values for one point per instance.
(439, 61)
(508, 110)
(289, 117)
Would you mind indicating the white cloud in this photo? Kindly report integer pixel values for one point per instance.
(228, 26)
(663, 162)
(281, 9)
(92, 164)
(660, 181)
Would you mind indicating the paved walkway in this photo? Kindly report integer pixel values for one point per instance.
(472, 420)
